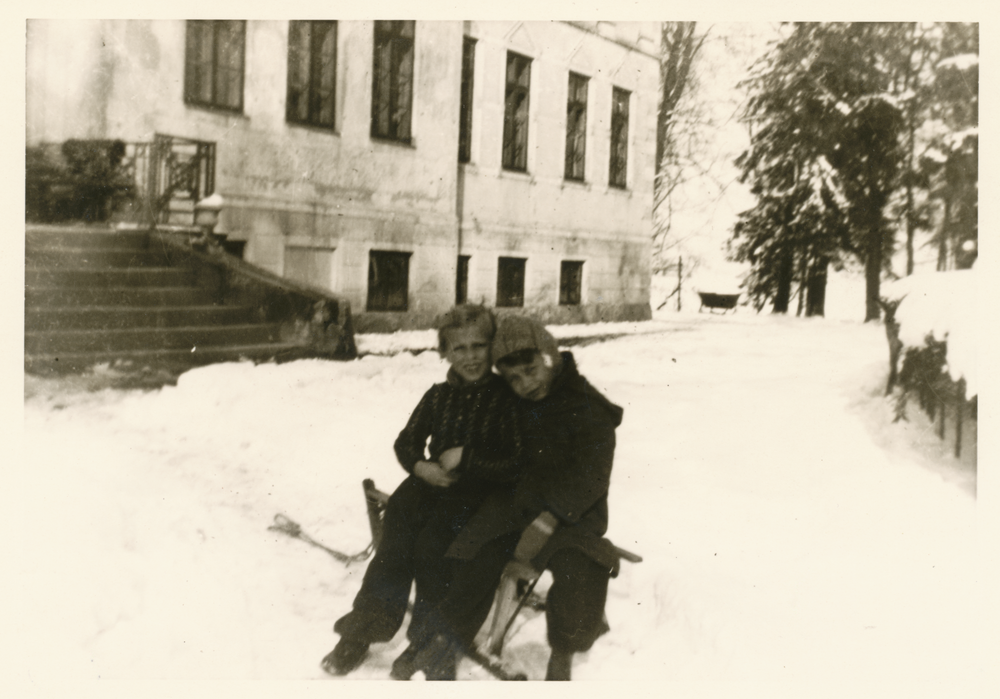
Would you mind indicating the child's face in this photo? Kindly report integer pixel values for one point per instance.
(532, 381)
(468, 352)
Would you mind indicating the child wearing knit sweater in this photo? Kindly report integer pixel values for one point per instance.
(460, 445)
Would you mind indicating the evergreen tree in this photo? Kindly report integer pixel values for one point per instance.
(953, 132)
(825, 144)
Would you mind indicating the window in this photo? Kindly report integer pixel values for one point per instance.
(312, 73)
(576, 127)
(392, 80)
(213, 63)
(570, 283)
(515, 117)
(462, 280)
(465, 115)
(619, 137)
(510, 281)
(388, 280)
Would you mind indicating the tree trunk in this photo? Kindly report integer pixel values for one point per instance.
(942, 260)
(910, 229)
(816, 289)
(803, 280)
(873, 273)
(785, 274)
(678, 50)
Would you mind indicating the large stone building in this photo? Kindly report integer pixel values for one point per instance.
(403, 165)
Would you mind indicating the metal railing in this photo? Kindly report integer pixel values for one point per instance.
(169, 171)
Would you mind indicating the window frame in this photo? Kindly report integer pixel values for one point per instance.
(379, 295)
(393, 120)
(317, 73)
(618, 158)
(200, 73)
(575, 277)
(465, 99)
(576, 128)
(517, 93)
(504, 284)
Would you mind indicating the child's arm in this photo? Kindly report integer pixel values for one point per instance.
(411, 443)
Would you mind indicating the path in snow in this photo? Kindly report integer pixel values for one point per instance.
(789, 530)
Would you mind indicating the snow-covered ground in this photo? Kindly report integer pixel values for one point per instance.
(792, 534)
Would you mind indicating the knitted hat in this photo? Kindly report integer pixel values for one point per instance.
(515, 333)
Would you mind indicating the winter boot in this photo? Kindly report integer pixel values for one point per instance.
(439, 659)
(560, 665)
(345, 656)
(405, 666)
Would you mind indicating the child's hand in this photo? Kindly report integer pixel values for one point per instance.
(432, 473)
(451, 458)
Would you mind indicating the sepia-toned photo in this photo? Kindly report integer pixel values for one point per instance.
(489, 350)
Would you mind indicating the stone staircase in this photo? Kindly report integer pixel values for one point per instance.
(139, 299)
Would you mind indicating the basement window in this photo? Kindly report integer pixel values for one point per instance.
(510, 281)
(570, 283)
(388, 280)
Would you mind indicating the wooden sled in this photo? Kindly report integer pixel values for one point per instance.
(516, 588)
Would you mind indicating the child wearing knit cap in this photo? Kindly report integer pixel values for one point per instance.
(556, 516)
(460, 445)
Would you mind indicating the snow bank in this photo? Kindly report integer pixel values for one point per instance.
(944, 306)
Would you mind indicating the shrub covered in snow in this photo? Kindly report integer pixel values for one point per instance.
(931, 326)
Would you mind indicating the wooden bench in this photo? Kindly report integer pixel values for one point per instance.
(517, 584)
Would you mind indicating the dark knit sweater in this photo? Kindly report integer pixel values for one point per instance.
(480, 417)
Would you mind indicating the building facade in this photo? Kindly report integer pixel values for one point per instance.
(404, 165)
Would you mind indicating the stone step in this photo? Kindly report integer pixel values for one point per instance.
(49, 236)
(57, 297)
(162, 361)
(119, 317)
(56, 256)
(97, 278)
(54, 342)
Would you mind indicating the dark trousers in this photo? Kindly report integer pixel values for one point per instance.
(419, 525)
(574, 607)
(461, 613)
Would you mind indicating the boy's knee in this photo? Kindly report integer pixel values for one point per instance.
(408, 500)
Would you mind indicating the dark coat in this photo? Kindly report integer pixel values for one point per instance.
(568, 441)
